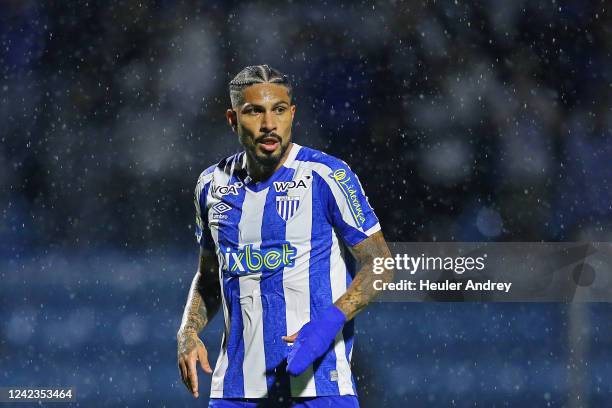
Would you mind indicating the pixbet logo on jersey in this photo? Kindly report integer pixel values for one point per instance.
(252, 260)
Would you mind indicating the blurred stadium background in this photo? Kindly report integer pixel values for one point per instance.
(466, 121)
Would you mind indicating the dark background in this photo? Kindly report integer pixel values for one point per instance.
(465, 121)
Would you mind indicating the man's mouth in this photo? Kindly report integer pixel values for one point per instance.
(269, 143)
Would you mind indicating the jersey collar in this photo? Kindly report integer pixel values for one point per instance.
(281, 172)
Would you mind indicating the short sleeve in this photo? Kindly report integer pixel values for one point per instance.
(202, 231)
(346, 204)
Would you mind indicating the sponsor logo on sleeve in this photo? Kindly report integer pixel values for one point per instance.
(350, 191)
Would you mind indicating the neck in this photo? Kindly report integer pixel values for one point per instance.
(259, 172)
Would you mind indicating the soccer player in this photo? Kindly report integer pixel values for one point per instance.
(271, 222)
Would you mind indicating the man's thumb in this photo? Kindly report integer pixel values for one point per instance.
(203, 357)
(290, 339)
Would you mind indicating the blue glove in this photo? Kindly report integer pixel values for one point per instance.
(314, 340)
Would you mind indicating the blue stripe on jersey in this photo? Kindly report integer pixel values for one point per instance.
(233, 382)
(273, 233)
(320, 288)
(205, 238)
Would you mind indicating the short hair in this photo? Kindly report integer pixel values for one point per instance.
(256, 74)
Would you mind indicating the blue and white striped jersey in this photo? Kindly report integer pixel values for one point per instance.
(281, 264)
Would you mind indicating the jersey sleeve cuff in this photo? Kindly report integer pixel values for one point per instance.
(359, 236)
(372, 230)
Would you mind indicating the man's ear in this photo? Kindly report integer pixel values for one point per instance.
(292, 109)
(232, 119)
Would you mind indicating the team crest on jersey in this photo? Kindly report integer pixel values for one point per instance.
(286, 206)
(232, 189)
(284, 186)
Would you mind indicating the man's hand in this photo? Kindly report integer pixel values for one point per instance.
(202, 303)
(313, 340)
(190, 350)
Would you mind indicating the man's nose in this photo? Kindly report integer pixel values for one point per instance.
(268, 124)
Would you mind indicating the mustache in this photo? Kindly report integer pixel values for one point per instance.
(273, 135)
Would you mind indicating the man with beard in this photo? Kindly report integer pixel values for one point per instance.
(271, 223)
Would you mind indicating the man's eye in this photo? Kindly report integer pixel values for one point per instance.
(280, 109)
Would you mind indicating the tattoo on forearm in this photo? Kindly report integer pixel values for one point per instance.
(202, 304)
(195, 315)
(186, 344)
(361, 292)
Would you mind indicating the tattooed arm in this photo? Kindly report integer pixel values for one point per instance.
(362, 291)
(203, 302)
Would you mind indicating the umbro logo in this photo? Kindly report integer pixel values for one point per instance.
(219, 209)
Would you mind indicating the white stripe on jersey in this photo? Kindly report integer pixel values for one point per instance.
(374, 229)
(254, 363)
(296, 285)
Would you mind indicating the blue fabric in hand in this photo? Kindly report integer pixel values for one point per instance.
(314, 340)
